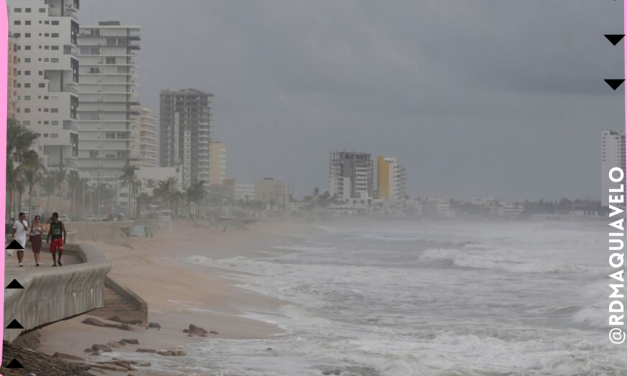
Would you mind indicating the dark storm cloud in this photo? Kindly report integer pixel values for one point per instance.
(477, 98)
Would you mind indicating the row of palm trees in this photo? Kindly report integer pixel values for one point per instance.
(25, 172)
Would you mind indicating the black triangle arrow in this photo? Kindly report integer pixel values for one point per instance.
(14, 364)
(614, 84)
(14, 285)
(15, 325)
(614, 38)
(15, 245)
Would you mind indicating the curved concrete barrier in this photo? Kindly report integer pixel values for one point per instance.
(56, 294)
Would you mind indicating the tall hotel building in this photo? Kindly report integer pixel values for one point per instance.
(390, 179)
(613, 155)
(351, 175)
(144, 135)
(217, 160)
(109, 103)
(184, 125)
(47, 75)
(12, 78)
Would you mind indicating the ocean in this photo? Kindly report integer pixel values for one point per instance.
(427, 299)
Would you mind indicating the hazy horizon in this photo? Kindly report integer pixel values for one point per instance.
(487, 100)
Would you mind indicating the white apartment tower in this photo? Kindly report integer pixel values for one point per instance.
(109, 103)
(351, 175)
(391, 179)
(47, 75)
(217, 159)
(144, 135)
(613, 155)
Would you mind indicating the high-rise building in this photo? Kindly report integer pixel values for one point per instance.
(108, 60)
(12, 78)
(184, 126)
(144, 135)
(613, 155)
(390, 178)
(217, 160)
(47, 75)
(351, 175)
(272, 191)
(245, 192)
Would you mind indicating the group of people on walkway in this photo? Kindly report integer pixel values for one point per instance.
(56, 236)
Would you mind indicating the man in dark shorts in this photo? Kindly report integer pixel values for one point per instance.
(58, 234)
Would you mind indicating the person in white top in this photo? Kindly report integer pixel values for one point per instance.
(20, 229)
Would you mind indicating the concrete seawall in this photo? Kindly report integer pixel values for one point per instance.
(55, 294)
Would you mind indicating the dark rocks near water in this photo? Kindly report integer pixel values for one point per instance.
(130, 322)
(127, 341)
(146, 351)
(126, 327)
(196, 331)
(214, 332)
(39, 364)
(153, 325)
(30, 340)
(67, 357)
(94, 322)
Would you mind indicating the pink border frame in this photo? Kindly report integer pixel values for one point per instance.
(4, 47)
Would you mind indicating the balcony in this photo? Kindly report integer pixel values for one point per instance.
(70, 126)
(70, 50)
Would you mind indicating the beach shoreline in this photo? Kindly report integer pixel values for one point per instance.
(180, 292)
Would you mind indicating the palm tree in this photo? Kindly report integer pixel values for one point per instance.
(128, 178)
(166, 190)
(19, 142)
(195, 193)
(33, 174)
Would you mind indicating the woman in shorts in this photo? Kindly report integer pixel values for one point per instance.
(36, 239)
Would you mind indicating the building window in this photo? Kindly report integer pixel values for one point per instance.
(42, 10)
(46, 135)
(27, 110)
(17, 10)
(55, 23)
(27, 35)
(55, 122)
(54, 60)
(54, 135)
(27, 48)
(17, 35)
(54, 110)
(42, 85)
(27, 97)
(27, 73)
(110, 60)
(27, 23)
(27, 60)
(55, 35)
(27, 10)
(17, 23)
(54, 48)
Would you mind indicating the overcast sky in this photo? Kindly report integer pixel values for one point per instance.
(486, 98)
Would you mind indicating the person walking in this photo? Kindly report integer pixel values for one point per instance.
(59, 235)
(36, 237)
(20, 229)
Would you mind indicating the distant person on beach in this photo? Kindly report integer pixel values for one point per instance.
(36, 233)
(20, 229)
(59, 235)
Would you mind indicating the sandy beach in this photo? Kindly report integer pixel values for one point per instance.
(180, 293)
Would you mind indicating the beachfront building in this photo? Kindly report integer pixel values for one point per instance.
(47, 75)
(12, 77)
(271, 191)
(108, 53)
(245, 192)
(613, 155)
(184, 129)
(217, 163)
(351, 175)
(144, 139)
(390, 179)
